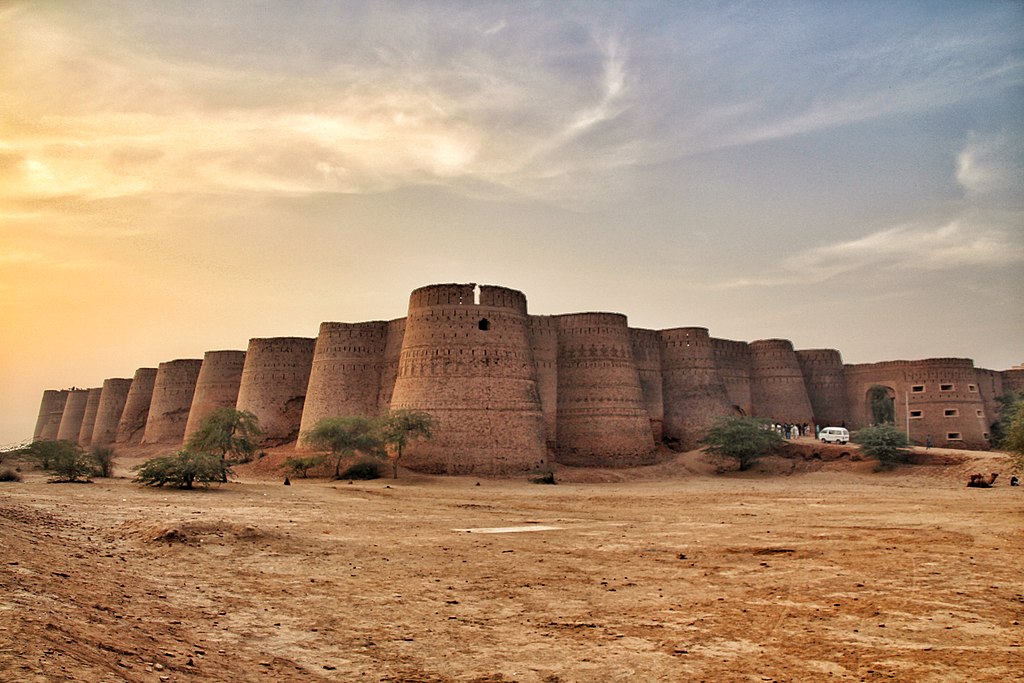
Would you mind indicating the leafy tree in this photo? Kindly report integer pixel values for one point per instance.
(345, 436)
(740, 438)
(301, 466)
(231, 434)
(183, 469)
(883, 410)
(1013, 436)
(44, 452)
(885, 442)
(103, 460)
(69, 463)
(1009, 404)
(402, 426)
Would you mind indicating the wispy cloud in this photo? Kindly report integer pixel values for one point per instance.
(896, 249)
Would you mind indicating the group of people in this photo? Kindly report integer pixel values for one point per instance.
(792, 431)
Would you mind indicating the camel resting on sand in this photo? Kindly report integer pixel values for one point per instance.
(978, 481)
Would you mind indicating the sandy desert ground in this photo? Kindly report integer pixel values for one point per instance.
(797, 572)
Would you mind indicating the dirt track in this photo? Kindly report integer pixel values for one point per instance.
(834, 574)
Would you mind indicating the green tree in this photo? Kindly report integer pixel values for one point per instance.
(883, 410)
(402, 426)
(44, 452)
(103, 460)
(301, 465)
(69, 463)
(885, 442)
(232, 434)
(1013, 436)
(344, 437)
(183, 469)
(1009, 404)
(740, 438)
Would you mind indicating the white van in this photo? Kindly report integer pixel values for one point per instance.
(834, 435)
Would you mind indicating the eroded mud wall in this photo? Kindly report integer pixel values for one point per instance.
(734, 365)
(647, 356)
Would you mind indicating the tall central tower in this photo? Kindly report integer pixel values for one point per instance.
(469, 364)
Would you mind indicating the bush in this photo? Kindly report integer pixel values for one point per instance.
(9, 475)
(544, 477)
(743, 439)
(103, 460)
(69, 463)
(363, 468)
(183, 469)
(301, 466)
(885, 442)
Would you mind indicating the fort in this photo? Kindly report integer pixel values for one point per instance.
(512, 392)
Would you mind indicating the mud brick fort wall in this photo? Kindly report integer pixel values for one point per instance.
(512, 391)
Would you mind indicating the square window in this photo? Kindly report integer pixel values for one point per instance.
(915, 413)
(917, 389)
(980, 413)
(945, 387)
(951, 413)
(985, 436)
(972, 388)
(953, 436)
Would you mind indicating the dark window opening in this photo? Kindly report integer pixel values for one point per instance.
(484, 324)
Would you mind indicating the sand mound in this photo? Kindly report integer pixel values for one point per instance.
(191, 533)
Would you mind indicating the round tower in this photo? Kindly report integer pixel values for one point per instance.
(602, 419)
(470, 366)
(216, 386)
(777, 385)
(826, 384)
(92, 405)
(51, 410)
(273, 386)
(132, 424)
(694, 391)
(74, 411)
(108, 414)
(346, 371)
(172, 398)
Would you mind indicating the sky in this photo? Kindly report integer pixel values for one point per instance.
(177, 177)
